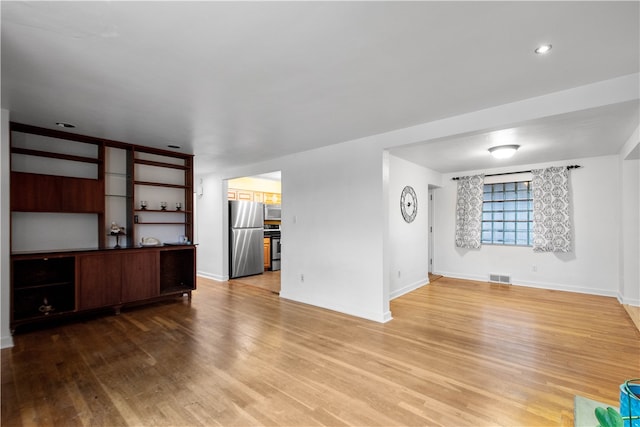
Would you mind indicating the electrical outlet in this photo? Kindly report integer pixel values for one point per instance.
(534, 268)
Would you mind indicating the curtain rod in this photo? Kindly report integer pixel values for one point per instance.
(455, 178)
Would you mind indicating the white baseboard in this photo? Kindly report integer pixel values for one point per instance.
(211, 276)
(6, 342)
(628, 301)
(539, 285)
(381, 317)
(406, 289)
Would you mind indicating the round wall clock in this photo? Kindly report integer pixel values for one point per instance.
(408, 204)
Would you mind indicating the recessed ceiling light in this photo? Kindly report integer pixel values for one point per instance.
(65, 125)
(542, 49)
(503, 151)
(173, 146)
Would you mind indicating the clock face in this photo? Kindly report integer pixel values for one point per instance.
(408, 204)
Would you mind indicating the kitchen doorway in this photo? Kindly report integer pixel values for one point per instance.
(265, 191)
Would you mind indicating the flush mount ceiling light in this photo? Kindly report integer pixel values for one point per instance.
(65, 125)
(542, 49)
(503, 151)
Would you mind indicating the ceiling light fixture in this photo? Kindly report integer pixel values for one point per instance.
(503, 151)
(542, 49)
(65, 125)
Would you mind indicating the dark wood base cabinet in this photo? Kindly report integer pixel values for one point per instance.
(47, 286)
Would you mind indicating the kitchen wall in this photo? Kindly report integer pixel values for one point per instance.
(592, 267)
(256, 184)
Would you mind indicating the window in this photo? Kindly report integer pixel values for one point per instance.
(507, 214)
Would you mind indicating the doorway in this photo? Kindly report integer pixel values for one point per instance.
(265, 189)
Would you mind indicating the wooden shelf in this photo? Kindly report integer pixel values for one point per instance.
(160, 164)
(159, 184)
(161, 211)
(53, 155)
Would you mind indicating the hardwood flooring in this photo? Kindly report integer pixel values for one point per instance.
(269, 280)
(457, 353)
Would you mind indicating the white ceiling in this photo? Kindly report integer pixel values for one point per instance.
(240, 82)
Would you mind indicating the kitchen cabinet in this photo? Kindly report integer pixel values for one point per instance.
(267, 253)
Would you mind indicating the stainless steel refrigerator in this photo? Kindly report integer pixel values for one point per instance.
(246, 244)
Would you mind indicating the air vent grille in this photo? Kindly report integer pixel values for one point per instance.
(500, 278)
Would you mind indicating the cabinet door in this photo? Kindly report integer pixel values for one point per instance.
(140, 277)
(99, 280)
(37, 193)
(82, 195)
(245, 195)
(267, 253)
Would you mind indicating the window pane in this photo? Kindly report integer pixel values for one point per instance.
(499, 217)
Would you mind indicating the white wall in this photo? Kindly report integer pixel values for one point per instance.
(630, 230)
(408, 243)
(5, 293)
(341, 198)
(630, 221)
(333, 220)
(592, 266)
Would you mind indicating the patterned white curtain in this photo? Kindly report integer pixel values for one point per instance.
(469, 211)
(551, 221)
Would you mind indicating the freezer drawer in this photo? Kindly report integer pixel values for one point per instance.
(247, 252)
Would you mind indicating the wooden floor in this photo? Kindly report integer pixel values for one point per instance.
(457, 353)
(269, 280)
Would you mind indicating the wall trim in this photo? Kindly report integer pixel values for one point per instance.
(381, 317)
(539, 285)
(409, 288)
(212, 276)
(6, 342)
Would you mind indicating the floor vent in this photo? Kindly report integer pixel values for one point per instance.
(500, 278)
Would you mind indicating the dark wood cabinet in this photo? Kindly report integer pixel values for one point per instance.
(99, 277)
(46, 286)
(43, 286)
(65, 173)
(140, 276)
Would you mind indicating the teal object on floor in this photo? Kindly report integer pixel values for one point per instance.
(630, 403)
